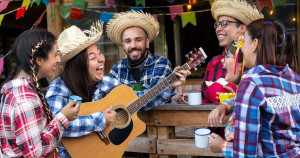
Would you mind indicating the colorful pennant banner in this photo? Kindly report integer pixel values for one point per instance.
(188, 17)
(142, 2)
(110, 3)
(3, 5)
(105, 17)
(175, 10)
(137, 8)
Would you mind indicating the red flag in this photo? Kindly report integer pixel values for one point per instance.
(52, 1)
(264, 3)
(39, 20)
(20, 13)
(76, 13)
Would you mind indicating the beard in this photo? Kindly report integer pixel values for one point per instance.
(136, 59)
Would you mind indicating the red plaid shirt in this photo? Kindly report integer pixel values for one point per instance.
(24, 131)
(214, 71)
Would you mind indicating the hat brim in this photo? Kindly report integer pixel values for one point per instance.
(124, 20)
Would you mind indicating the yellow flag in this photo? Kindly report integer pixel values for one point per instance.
(188, 17)
(211, 1)
(26, 2)
(1, 18)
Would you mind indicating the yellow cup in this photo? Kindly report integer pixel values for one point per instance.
(225, 96)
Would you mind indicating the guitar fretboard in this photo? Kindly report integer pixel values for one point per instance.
(154, 91)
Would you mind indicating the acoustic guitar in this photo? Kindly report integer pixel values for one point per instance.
(112, 142)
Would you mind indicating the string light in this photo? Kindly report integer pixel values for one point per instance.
(189, 7)
(294, 19)
(271, 12)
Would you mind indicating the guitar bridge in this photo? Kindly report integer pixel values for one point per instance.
(103, 137)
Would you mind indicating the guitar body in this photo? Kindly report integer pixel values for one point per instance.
(91, 146)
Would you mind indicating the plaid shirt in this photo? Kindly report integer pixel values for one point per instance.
(229, 129)
(267, 113)
(214, 71)
(23, 125)
(58, 95)
(156, 69)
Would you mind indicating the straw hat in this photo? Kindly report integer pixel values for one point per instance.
(123, 20)
(238, 9)
(72, 40)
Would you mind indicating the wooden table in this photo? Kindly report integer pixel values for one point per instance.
(160, 139)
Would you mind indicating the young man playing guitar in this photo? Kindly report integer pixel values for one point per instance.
(141, 69)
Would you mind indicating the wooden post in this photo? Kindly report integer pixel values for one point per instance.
(54, 21)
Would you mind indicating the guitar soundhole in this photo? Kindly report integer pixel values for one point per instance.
(122, 118)
(118, 136)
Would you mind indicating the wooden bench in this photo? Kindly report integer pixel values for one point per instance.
(162, 138)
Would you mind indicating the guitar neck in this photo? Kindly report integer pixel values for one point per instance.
(154, 91)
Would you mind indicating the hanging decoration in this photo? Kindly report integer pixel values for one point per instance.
(38, 2)
(46, 2)
(211, 2)
(154, 16)
(264, 3)
(1, 18)
(1, 64)
(137, 8)
(188, 17)
(76, 13)
(110, 3)
(142, 2)
(39, 20)
(171, 1)
(26, 3)
(105, 17)
(20, 13)
(64, 11)
(79, 4)
(175, 10)
(278, 2)
(3, 5)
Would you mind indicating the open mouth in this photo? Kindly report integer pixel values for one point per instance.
(100, 69)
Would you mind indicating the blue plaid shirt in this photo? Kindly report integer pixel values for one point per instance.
(57, 97)
(267, 113)
(156, 69)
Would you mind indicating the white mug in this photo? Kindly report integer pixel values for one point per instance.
(194, 98)
(201, 137)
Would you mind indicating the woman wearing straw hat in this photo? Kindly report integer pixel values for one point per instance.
(27, 126)
(83, 76)
(134, 31)
(232, 18)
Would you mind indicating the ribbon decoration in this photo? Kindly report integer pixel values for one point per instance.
(238, 44)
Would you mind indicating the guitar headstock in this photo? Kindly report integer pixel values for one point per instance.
(196, 58)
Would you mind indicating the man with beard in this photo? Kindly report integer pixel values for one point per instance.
(232, 18)
(141, 70)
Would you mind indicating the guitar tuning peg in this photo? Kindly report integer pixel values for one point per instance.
(195, 69)
(187, 55)
(191, 52)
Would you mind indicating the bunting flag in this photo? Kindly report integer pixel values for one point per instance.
(20, 13)
(154, 16)
(39, 20)
(3, 5)
(105, 17)
(171, 1)
(264, 3)
(52, 1)
(137, 8)
(175, 10)
(188, 17)
(142, 2)
(46, 2)
(1, 65)
(211, 2)
(64, 11)
(38, 2)
(79, 4)
(76, 13)
(109, 3)
(1, 18)
(278, 2)
(26, 3)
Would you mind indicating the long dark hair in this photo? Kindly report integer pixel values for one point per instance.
(275, 45)
(76, 76)
(28, 46)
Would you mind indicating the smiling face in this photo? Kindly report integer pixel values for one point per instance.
(96, 61)
(228, 63)
(47, 66)
(230, 32)
(135, 43)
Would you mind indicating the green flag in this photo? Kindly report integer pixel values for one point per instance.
(64, 11)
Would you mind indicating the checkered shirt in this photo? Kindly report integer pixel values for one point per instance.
(267, 113)
(156, 69)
